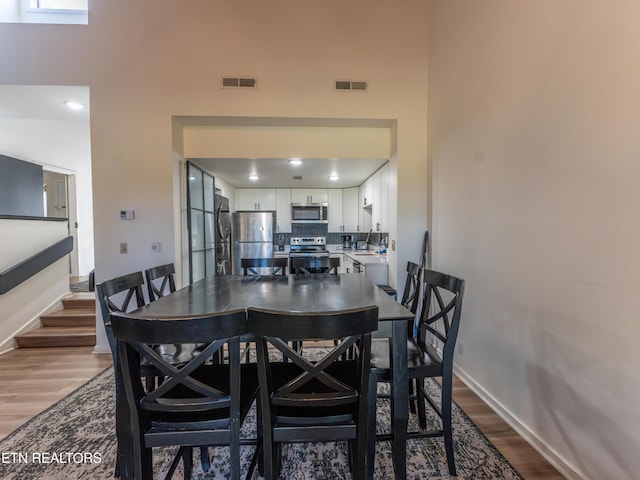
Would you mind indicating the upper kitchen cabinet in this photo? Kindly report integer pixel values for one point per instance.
(335, 196)
(309, 195)
(384, 199)
(374, 201)
(350, 210)
(283, 210)
(256, 199)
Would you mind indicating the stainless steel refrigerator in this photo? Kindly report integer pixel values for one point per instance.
(252, 235)
(223, 236)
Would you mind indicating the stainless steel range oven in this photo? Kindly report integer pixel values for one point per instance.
(308, 247)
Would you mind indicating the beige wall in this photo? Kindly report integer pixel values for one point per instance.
(533, 128)
(147, 62)
(20, 308)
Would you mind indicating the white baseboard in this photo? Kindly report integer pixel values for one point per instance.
(566, 469)
(97, 350)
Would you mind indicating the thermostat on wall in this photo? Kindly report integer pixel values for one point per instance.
(126, 214)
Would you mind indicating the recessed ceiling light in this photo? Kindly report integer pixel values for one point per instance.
(73, 105)
(334, 178)
(295, 162)
(254, 178)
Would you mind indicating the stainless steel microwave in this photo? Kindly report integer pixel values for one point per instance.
(309, 213)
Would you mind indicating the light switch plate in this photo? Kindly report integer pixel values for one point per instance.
(127, 214)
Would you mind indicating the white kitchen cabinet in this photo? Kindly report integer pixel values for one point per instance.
(366, 196)
(384, 198)
(283, 210)
(309, 195)
(378, 273)
(341, 267)
(375, 201)
(350, 210)
(255, 198)
(347, 264)
(335, 210)
(380, 203)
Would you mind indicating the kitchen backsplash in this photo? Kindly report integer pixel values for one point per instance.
(320, 230)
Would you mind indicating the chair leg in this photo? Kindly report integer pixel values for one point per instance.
(204, 458)
(412, 393)
(371, 437)
(234, 451)
(422, 416)
(187, 460)
(447, 424)
(116, 469)
(268, 455)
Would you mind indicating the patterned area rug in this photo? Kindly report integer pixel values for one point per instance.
(75, 439)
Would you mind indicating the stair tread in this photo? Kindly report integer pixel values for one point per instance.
(70, 312)
(60, 331)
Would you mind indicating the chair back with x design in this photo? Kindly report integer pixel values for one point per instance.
(316, 395)
(274, 266)
(439, 319)
(197, 403)
(118, 295)
(160, 281)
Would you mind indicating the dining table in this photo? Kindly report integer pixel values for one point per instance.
(293, 293)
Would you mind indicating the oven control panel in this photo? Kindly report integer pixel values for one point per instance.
(303, 241)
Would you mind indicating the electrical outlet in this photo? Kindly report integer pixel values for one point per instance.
(123, 248)
(461, 348)
(156, 247)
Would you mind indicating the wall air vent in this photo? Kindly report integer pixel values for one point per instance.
(239, 82)
(297, 177)
(352, 85)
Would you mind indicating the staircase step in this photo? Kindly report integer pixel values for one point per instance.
(58, 337)
(70, 317)
(80, 300)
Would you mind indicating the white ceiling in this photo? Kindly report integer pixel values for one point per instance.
(20, 102)
(277, 172)
(37, 102)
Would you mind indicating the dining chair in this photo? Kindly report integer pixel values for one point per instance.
(429, 354)
(308, 265)
(116, 295)
(160, 281)
(278, 265)
(313, 399)
(124, 294)
(197, 403)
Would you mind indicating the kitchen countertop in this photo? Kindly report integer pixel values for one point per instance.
(360, 256)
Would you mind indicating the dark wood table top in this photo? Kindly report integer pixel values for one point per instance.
(295, 293)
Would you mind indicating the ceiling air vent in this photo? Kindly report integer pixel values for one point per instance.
(352, 85)
(238, 82)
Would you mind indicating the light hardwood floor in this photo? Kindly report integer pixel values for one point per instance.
(33, 379)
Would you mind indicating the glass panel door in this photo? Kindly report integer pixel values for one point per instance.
(200, 222)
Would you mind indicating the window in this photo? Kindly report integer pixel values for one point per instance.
(59, 4)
